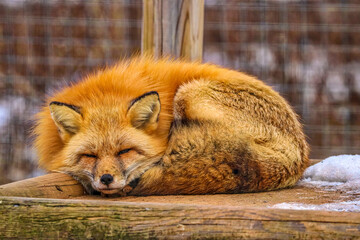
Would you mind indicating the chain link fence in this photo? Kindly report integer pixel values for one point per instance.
(307, 50)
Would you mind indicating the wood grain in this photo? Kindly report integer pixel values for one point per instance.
(173, 28)
(72, 219)
(53, 185)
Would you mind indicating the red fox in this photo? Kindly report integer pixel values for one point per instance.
(158, 127)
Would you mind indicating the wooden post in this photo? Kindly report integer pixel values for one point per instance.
(173, 28)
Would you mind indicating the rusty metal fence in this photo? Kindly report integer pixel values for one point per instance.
(307, 50)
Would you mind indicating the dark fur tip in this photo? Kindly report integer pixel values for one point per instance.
(95, 193)
(134, 183)
(142, 96)
(75, 108)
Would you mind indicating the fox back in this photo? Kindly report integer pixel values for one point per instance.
(147, 127)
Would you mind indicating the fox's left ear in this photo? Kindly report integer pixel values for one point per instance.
(144, 111)
(67, 118)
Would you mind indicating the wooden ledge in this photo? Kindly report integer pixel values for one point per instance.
(72, 219)
(222, 216)
(52, 185)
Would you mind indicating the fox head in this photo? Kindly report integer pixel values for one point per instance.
(108, 146)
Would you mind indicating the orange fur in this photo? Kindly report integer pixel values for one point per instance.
(104, 99)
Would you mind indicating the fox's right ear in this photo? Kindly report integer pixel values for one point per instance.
(66, 117)
(144, 111)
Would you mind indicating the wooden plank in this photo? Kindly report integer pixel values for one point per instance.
(72, 219)
(173, 28)
(298, 195)
(53, 185)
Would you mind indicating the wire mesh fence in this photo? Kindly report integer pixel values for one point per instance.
(307, 50)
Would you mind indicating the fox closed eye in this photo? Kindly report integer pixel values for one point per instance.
(89, 155)
(123, 151)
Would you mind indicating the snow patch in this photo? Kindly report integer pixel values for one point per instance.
(351, 206)
(342, 168)
(336, 173)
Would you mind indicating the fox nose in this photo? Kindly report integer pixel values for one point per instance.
(106, 179)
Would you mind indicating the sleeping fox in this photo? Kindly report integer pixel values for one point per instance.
(159, 127)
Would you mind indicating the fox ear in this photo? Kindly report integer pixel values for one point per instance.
(66, 117)
(144, 111)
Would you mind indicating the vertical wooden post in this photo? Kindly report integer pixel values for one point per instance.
(173, 28)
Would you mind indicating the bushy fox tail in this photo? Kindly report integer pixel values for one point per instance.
(209, 157)
(227, 137)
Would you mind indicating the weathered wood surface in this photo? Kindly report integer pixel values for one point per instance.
(173, 28)
(296, 195)
(53, 185)
(167, 217)
(73, 219)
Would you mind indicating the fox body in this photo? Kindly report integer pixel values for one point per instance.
(147, 126)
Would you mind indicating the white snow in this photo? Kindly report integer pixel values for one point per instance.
(342, 168)
(336, 173)
(351, 206)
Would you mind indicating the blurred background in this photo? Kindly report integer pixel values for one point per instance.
(309, 51)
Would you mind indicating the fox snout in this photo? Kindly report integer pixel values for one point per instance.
(106, 179)
(109, 184)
